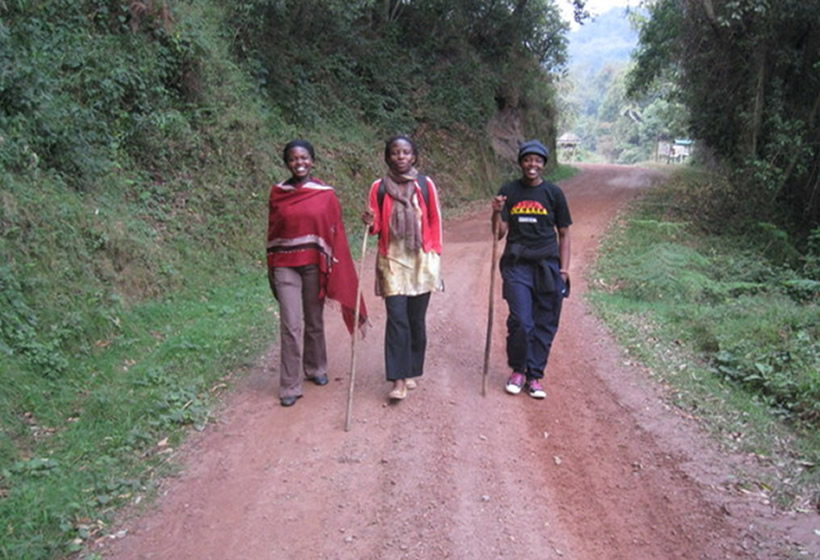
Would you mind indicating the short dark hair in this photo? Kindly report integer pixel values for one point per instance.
(393, 139)
(298, 143)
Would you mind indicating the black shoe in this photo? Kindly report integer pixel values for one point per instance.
(289, 401)
(320, 380)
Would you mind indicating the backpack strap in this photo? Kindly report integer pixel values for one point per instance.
(425, 190)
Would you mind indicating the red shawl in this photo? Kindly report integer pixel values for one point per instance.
(305, 227)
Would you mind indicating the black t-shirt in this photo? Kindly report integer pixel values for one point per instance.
(533, 214)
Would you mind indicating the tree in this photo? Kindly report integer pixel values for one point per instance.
(398, 63)
(749, 72)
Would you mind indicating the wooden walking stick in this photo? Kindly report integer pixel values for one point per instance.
(349, 412)
(488, 342)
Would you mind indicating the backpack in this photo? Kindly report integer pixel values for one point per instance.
(425, 190)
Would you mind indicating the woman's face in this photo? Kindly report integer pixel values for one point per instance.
(402, 157)
(299, 163)
(531, 167)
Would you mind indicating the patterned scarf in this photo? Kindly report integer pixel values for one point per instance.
(404, 220)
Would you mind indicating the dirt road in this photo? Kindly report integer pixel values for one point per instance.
(602, 469)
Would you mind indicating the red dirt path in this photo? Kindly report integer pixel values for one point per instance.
(603, 469)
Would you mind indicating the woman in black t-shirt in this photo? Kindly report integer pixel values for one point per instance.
(535, 217)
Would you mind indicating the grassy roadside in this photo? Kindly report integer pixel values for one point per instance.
(105, 431)
(563, 172)
(729, 326)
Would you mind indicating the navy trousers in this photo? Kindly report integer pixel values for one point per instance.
(405, 336)
(533, 319)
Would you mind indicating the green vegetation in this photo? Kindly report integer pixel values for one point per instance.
(138, 141)
(562, 173)
(101, 434)
(713, 280)
(729, 322)
(615, 128)
(719, 269)
(747, 72)
(610, 126)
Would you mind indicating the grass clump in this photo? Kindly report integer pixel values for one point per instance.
(731, 325)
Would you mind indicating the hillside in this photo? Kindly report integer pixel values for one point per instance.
(132, 134)
(599, 54)
(606, 40)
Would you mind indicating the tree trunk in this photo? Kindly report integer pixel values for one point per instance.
(389, 11)
(758, 102)
(709, 8)
(811, 191)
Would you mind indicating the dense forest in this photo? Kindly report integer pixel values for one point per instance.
(133, 134)
(748, 73)
(739, 78)
(596, 109)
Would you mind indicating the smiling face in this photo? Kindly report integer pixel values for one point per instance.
(531, 167)
(299, 163)
(401, 156)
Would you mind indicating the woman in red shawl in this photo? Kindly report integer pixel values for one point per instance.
(308, 260)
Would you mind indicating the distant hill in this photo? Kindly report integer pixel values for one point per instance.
(607, 39)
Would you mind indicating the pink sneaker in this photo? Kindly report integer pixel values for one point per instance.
(535, 389)
(515, 383)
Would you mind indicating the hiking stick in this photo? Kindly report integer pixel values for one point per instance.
(349, 412)
(490, 313)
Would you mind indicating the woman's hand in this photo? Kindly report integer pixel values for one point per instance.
(367, 217)
(499, 225)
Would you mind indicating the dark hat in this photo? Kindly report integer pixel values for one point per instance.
(533, 147)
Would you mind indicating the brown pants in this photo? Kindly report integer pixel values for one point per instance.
(297, 290)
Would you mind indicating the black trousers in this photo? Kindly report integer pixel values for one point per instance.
(405, 336)
(533, 319)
